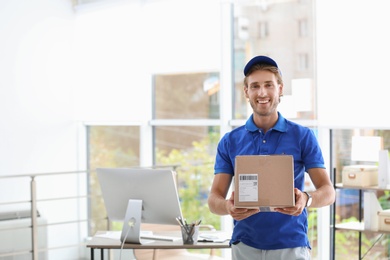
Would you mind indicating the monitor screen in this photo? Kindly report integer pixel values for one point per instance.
(156, 188)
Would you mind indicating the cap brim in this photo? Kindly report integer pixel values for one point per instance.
(259, 60)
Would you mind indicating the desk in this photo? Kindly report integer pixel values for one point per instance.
(99, 242)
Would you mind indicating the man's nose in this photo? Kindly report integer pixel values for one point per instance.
(261, 92)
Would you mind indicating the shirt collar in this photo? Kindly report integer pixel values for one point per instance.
(280, 125)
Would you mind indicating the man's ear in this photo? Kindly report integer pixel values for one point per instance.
(281, 90)
(246, 91)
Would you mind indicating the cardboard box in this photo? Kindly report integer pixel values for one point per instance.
(265, 181)
(371, 209)
(360, 175)
(384, 220)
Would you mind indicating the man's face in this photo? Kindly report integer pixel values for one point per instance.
(263, 92)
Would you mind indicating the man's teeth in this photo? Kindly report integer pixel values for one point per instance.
(263, 101)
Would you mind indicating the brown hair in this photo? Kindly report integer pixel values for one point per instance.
(269, 68)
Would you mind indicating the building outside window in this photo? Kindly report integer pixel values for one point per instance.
(283, 23)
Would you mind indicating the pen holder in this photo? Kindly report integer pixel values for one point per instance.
(190, 234)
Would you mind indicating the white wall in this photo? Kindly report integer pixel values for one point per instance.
(37, 129)
(353, 55)
(120, 46)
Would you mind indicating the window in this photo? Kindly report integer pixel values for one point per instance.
(303, 28)
(192, 149)
(263, 30)
(241, 26)
(109, 146)
(191, 99)
(303, 61)
(276, 37)
(186, 96)
(185, 121)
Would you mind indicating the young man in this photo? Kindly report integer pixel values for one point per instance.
(270, 235)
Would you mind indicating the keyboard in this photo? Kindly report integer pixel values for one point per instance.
(150, 235)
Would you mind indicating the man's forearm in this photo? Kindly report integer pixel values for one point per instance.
(323, 196)
(217, 204)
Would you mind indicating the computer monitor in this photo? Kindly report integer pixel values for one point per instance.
(137, 196)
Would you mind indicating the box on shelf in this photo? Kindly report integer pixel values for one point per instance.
(384, 220)
(360, 175)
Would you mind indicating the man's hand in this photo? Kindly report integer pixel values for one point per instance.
(239, 213)
(300, 204)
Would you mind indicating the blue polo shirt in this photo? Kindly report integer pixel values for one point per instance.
(271, 230)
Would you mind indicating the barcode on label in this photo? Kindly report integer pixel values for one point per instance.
(248, 177)
(248, 187)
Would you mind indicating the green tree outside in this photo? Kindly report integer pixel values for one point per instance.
(194, 174)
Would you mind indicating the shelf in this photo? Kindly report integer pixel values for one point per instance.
(357, 226)
(341, 186)
(349, 203)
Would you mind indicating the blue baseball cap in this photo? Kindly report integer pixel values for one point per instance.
(259, 60)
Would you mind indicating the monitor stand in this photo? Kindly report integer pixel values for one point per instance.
(132, 223)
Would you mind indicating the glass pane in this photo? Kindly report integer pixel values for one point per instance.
(109, 146)
(186, 96)
(283, 30)
(193, 149)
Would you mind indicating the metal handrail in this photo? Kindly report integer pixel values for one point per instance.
(33, 206)
(41, 174)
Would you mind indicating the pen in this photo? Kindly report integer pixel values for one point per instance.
(182, 224)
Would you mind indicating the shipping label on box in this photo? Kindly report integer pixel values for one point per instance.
(248, 186)
(264, 181)
(360, 175)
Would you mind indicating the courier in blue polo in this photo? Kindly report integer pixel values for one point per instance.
(270, 235)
